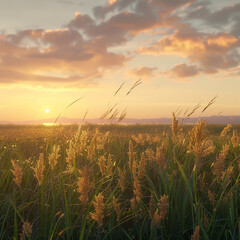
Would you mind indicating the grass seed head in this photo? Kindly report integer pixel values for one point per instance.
(137, 189)
(39, 169)
(116, 206)
(17, 173)
(54, 155)
(26, 231)
(226, 130)
(99, 207)
(219, 166)
(195, 235)
(175, 127)
(84, 185)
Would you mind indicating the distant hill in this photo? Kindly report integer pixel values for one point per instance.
(64, 120)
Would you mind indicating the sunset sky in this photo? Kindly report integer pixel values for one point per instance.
(53, 52)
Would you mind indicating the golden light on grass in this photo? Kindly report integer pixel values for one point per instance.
(116, 179)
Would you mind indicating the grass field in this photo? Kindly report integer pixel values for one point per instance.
(120, 182)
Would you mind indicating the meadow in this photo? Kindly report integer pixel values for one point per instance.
(120, 181)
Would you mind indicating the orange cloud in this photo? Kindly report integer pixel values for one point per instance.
(184, 71)
(143, 72)
(83, 50)
(212, 52)
(63, 52)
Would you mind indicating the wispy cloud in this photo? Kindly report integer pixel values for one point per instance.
(82, 52)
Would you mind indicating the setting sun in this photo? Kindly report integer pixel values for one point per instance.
(47, 110)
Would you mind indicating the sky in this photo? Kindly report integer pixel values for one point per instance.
(183, 52)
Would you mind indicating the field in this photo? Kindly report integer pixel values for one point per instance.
(120, 182)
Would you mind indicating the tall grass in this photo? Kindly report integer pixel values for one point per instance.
(123, 183)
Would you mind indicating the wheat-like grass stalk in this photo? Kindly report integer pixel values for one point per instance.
(211, 197)
(39, 169)
(175, 127)
(142, 166)
(117, 208)
(71, 155)
(53, 157)
(219, 166)
(161, 211)
(26, 231)
(121, 179)
(160, 157)
(199, 144)
(226, 130)
(235, 138)
(130, 155)
(84, 185)
(137, 189)
(133, 203)
(99, 207)
(17, 173)
(195, 235)
(102, 164)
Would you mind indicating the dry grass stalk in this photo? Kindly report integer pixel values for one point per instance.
(53, 157)
(26, 231)
(130, 155)
(39, 169)
(119, 89)
(117, 208)
(133, 203)
(92, 149)
(175, 127)
(227, 174)
(102, 164)
(226, 130)
(17, 173)
(235, 138)
(99, 207)
(150, 154)
(195, 235)
(134, 168)
(137, 189)
(160, 157)
(101, 140)
(122, 181)
(210, 103)
(211, 197)
(137, 83)
(109, 165)
(142, 166)
(80, 141)
(205, 219)
(70, 156)
(84, 185)
(161, 211)
(219, 166)
(199, 145)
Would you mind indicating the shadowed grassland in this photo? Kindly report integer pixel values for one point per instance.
(120, 182)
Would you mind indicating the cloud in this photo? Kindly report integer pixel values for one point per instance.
(143, 72)
(228, 15)
(184, 71)
(212, 52)
(82, 51)
(37, 55)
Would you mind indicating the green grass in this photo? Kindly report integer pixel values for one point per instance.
(55, 211)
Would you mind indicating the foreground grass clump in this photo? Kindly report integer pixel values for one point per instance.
(115, 183)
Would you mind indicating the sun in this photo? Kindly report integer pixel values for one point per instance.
(47, 110)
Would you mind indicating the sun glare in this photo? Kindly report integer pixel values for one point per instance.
(47, 110)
